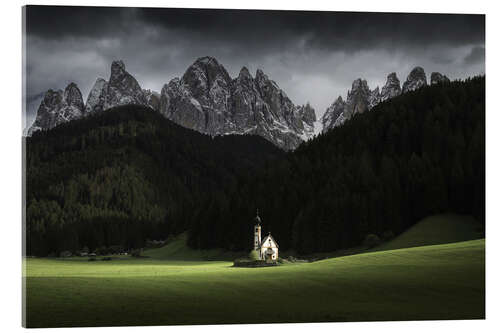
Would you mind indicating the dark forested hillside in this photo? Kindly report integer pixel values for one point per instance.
(418, 154)
(126, 175)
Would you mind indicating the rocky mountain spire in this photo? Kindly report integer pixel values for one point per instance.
(415, 80)
(391, 89)
(437, 77)
(58, 107)
(374, 98)
(308, 114)
(122, 88)
(205, 99)
(208, 100)
(97, 96)
(360, 98)
(152, 99)
(333, 113)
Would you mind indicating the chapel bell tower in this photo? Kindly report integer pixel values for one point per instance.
(257, 239)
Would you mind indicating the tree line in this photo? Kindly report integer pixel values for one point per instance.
(418, 154)
(127, 175)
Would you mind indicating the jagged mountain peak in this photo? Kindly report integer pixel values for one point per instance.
(308, 114)
(207, 60)
(152, 98)
(245, 73)
(244, 79)
(392, 87)
(415, 80)
(73, 96)
(437, 77)
(417, 70)
(209, 65)
(57, 107)
(205, 99)
(122, 88)
(259, 73)
(208, 100)
(96, 97)
(359, 84)
(332, 114)
(118, 73)
(206, 77)
(374, 98)
(117, 68)
(71, 85)
(392, 77)
(360, 98)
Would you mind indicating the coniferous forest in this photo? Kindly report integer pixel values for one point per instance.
(121, 177)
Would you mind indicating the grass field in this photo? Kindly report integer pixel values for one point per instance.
(437, 229)
(177, 249)
(428, 282)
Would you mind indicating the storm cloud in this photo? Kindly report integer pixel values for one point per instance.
(313, 56)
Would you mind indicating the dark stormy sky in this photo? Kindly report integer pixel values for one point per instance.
(313, 56)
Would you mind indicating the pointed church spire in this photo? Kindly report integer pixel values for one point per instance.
(257, 218)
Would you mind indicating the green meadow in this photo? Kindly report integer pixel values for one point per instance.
(445, 281)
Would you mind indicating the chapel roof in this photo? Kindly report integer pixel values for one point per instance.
(270, 237)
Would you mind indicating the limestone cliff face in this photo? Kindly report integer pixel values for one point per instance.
(208, 100)
(392, 88)
(333, 113)
(437, 78)
(97, 96)
(360, 98)
(58, 107)
(121, 89)
(415, 80)
(205, 99)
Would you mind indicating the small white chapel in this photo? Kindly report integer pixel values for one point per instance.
(267, 247)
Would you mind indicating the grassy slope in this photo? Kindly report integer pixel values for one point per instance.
(437, 229)
(428, 282)
(177, 249)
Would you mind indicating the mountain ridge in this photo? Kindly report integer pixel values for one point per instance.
(205, 99)
(360, 98)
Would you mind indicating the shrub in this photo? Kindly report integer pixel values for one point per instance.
(371, 240)
(115, 249)
(65, 254)
(254, 255)
(101, 251)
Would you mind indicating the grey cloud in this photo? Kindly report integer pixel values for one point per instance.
(313, 56)
(475, 56)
